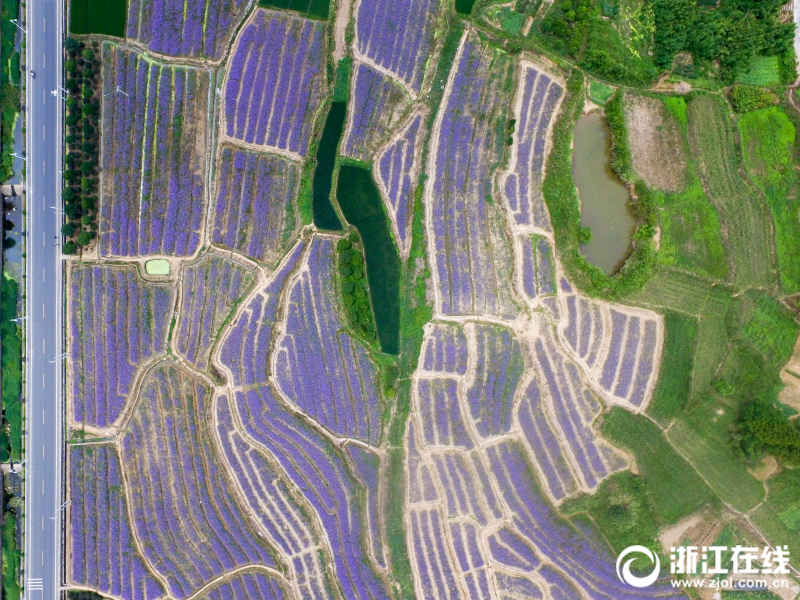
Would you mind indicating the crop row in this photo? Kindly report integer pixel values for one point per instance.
(316, 467)
(435, 568)
(316, 358)
(250, 585)
(398, 36)
(377, 104)
(209, 291)
(538, 97)
(585, 329)
(153, 156)
(537, 266)
(117, 321)
(276, 81)
(191, 529)
(102, 551)
(468, 245)
(200, 28)
(367, 466)
(421, 487)
(445, 349)
(398, 167)
(510, 549)
(287, 523)
(255, 213)
(443, 423)
(461, 476)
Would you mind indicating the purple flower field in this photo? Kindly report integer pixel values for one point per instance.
(210, 290)
(104, 556)
(117, 321)
(196, 29)
(398, 36)
(249, 585)
(377, 104)
(153, 156)
(426, 538)
(471, 253)
(255, 213)
(275, 82)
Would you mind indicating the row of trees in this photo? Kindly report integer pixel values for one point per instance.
(81, 159)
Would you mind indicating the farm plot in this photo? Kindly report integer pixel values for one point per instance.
(117, 322)
(255, 210)
(290, 524)
(397, 36)
(191, 529)
(536, 266)
(275, 82)
(153, 157)
(103, 555)
(584, 328)
(464, 495)
(367, 467)
(445, 349)
(428, 544)
(377, 104)
(249, 585)
(210, 289)
(442, 422)
(316, 358)
(745, 226)
(398, 168)
(538, 99)
(197, 29)
(315, 466)
(658, 147)
(471, 255)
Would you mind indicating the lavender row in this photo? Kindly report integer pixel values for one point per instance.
(582, 557)
(376, 105)
(368, 470)
(117, 322)
(434, 566)
(644, 370)
(542, 439)
(276, 81)
(103, 553)
(153, 156)
(273, 503)
(398, 167)
(463, 491)
(315, 466)
(510, 549)
(585, 328)
(498, 371)
(190, 528)
(445, 349)
(245, 350)
(538, 98)
(442, 421)
(255, 212)
(316, 358)
(399, 36)
(629, 363)
(472, 257)
(470, 560)
(210, 289)
(528, 267)
(421, 487)
(250, 585)
(515, 587)
(200, 28)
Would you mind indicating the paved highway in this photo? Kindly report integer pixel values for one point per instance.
(43, 389)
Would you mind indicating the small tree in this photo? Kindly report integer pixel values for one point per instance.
(73, 211)
(71, 44)
(87, 110)
(87, 167)
(9, 243)
(88, 54)
(70, 65)
(84, 239)
(68, 194)
(86, 220)
(70, 248)
(88, 203)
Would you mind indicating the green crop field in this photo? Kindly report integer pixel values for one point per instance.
(677, 491)
(784, 493)
(743, 220)
(12, 366)
(600, 92)
(673, 289)
(763, 71)
(675, 379)
(93, 16)
(712, 340)
(768, 140)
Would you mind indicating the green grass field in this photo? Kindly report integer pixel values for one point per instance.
(743, 220)
(676, 490)
(675, 377)
(11, 365)
(600, 92)
(783, 497)
(712, 340)
(763, 71)
(11, 557)
(768, 140)
(673, 289)
(93, 16)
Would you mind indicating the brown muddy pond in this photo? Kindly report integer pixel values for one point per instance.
(604, 199)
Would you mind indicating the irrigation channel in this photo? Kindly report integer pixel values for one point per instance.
(604, 198)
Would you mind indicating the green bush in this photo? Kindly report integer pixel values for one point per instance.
(67, 229)
(84, 238)
(88, 110)
(88, 54)
(764, 429)
(69, 248)
(70, 65)
(745, 98)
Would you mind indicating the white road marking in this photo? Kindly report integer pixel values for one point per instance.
(42, 455)
(42, 388)
(43, 340)
(44, 167)
(43, 311)
(42, 479)
(43, 130)
(42, 416)
(44, 25)
(42, 556)
(44, 243)
(42, 282)
(42, 522)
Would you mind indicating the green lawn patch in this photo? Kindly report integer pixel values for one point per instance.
(784, 491)
(769, 326)
(674, 385)
(600, 92)
(11, 557)
(104, 17)
(768, 139)
(12, 367)
(157, 266)
(673, 289)
(763, 71)
(509, 19)
(676, 489)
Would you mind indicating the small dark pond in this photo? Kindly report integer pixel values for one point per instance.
(324, 214)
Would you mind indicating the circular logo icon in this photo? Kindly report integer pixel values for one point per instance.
(627, 577)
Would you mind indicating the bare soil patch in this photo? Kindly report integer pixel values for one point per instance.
(657, 145)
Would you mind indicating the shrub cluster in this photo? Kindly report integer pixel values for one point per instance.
(355, 294)
(764, 429)
(745, 98)
(82, 140)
